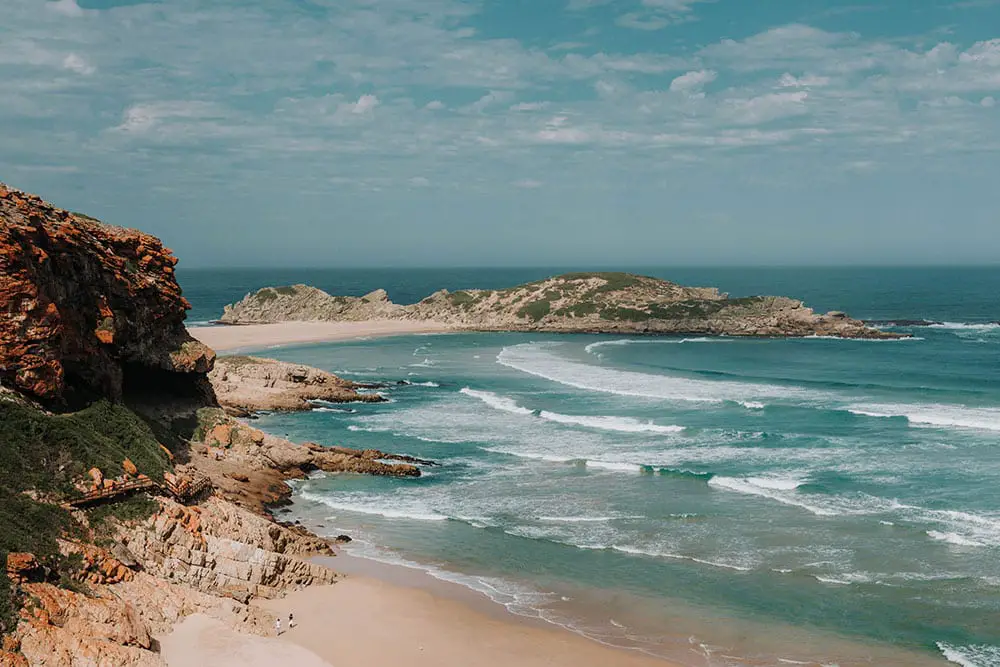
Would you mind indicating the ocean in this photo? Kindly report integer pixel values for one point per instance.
(719, 501)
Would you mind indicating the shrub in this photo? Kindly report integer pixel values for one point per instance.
(461, 299)
(581, 309)
(132, 510)
(535, 310)
(8, 601)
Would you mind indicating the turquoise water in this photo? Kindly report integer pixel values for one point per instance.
(720, 501)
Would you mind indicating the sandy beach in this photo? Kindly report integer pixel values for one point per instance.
(370, 622)
(255, 336)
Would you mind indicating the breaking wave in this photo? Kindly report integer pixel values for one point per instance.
(604, 423)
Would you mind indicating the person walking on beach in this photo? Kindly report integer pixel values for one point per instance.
(277, 626)
(291, 620)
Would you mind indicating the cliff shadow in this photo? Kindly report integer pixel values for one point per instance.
(169, 403)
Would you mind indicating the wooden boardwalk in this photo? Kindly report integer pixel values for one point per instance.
(182, 491)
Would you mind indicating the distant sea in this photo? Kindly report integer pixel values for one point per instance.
(720, 501)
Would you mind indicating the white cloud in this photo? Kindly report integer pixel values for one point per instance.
(488, 100)
(806, 81)
(434, 105)
(365, 104)
(141, 118)
(420, 181)
(693, 81)
(988, 102)
(658, 14)
(78, 64)
(765, 108)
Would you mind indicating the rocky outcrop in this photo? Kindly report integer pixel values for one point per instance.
(210, 559)
(249, 384)
(577, 302)
(222, 549)
(87, 309)
(250, 467)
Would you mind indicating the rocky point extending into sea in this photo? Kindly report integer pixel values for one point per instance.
(617, 303)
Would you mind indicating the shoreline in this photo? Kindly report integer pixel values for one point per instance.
(232, 338)
(383, 615)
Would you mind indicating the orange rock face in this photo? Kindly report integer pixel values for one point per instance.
(129, 467)
(21, 566)
(83, 305)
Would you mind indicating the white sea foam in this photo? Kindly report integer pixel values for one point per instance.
(954, 416)
(394, 508)
(536, 456)
(652, 341)
(863, 340)
(426, 363)
(981, 655)
(539, 360)
(637, 551)
(782, 490)
(425, 384)
(615, 466)
(752, 405)
(604, 423)
(581, 519)
(519, 600)
(607, 423)
(845, 579)
(961, 528)
(496, 401)
(973, 326)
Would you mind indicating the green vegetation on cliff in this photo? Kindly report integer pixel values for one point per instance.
(45, 453)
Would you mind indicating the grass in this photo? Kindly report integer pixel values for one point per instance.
(26, 525)
(238, 360)
(266, 294)
(46, 453)
(461, 299)
(131, 510)
(286, 290)
(614, 280)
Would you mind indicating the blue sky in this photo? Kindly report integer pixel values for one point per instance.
(515, 132)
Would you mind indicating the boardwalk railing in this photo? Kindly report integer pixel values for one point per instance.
(184, 490)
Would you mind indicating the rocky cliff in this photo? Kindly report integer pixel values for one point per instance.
(103, 392)
(577, 302)
(87, 309)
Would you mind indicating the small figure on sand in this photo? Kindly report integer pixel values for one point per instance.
(277, 626)
(291, 620)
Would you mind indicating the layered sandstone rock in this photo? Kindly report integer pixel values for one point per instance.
(211, 559)
(88, 309)
(252, 383)
(577, 302)
(222, 549)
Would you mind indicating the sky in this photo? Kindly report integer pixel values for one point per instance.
(341, 133)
